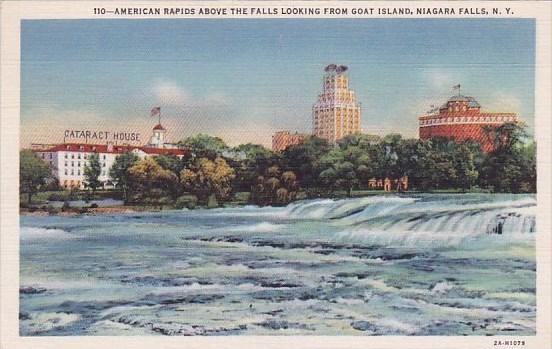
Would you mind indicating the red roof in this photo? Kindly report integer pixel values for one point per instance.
(115, 149)
(159, 127)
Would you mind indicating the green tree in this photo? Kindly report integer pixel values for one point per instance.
(204, 146)
(249, 161)
(304, 160)
(119, 172)
(208, 177)
(464, 165)
(504, 169)
(275, 187)
(92, 171)
(339, 170)
(175, 165)
(150, 183)
(33, 173)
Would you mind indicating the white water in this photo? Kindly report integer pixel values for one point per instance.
(388, 265)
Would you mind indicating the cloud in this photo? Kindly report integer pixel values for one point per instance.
(169, 93)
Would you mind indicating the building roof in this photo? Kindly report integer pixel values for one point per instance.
(472, 103)
(115, 149)
(159, 127)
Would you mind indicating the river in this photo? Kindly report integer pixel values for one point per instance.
(382, 265)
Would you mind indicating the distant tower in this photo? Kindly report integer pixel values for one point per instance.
(336, 113)
(157, 139)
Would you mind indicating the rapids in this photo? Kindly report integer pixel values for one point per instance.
(382, 265)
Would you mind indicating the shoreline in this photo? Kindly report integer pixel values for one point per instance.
(122, 209)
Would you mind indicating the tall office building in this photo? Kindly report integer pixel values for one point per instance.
(336, 113)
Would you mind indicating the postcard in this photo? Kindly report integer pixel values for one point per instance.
(267, 174)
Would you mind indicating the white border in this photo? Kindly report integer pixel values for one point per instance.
(11, 14)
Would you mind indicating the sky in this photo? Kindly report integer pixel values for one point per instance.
(244, 79)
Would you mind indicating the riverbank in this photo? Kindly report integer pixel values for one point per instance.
(92, 208)
(85, 211)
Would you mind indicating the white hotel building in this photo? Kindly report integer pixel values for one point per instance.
(68, 160)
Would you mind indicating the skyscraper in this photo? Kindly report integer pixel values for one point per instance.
(336, 113)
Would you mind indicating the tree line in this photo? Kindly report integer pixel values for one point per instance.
(212, 172)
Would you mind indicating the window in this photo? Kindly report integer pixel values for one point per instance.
(78, 156)
(72, 156)
(66, 155)
(50, 155)
(43, 155)
(78, 164)
(66, 172)
(65, 163)
(104, 157)
(85, 156)
(104, 164)
(78, 172)
(72, 173)
(72, 164)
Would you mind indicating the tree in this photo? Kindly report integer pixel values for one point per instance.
(171, 163)
(175, 165)
(204, 146)
(339, 170)
(33, 173)
(149, 182)
(504, 169)
(275, 187)
(464, 166)
(250, 160)
(304, 160)
(119, 172)
(208, 177)
(92, 171)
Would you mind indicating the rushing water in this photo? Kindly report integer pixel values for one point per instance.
(390, 265)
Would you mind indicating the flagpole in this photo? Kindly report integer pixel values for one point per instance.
(159, 115)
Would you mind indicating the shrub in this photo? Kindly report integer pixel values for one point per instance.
(52, 210)
(66, 206)
(242, 196)
(186, 201)
(60, 196)
(94, 205)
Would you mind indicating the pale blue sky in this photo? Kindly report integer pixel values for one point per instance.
(244, 79)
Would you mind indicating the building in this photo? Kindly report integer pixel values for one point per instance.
(387, 184)
(336, 113)
(461, 119)
(283, 139)
(68, 160)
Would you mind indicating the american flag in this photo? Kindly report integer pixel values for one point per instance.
(156, 111)
(456, 87)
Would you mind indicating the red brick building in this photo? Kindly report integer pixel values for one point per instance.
(460, 118)
(283, 139)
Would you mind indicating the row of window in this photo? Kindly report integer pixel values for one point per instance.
(468, 119)
(78, 156)
(83, 164)
(104, 172)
